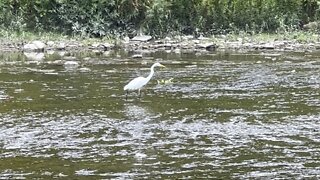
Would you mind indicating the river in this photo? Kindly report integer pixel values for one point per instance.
(224, 115)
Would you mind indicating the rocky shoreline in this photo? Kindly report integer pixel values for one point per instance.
(177, 44)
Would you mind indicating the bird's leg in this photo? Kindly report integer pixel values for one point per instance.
(126, 94)
(139, 93)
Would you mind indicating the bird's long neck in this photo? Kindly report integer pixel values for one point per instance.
(151, 73)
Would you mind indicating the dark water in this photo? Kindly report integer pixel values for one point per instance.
(226, 115)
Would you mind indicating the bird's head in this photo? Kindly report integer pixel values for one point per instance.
(158, 65)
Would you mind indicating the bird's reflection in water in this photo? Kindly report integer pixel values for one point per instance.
(140, 126)
(137, 112)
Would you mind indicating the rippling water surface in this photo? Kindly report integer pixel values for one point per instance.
(225, 115)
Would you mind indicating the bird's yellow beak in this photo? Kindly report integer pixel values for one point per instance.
(162, 66)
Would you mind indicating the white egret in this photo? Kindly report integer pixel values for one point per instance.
(139, 82)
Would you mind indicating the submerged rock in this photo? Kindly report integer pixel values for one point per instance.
(84, 69)
(71, 64)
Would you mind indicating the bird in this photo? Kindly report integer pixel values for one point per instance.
(138, 82)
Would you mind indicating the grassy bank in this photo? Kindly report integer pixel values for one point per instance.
(25, 36)
(8, 37)
(291, 40)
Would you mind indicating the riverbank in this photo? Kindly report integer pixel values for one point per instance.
(295, 41)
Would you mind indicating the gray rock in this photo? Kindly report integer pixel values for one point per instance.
(50, 52)
(71, 65)
(95, 45)
(312, 26)
(39, 44)
(61, 53)
(196, 41)
(107, 46)
(58, 62)
(167, 39)
(188, 37)
(50, 43)
(248, 45)
(268, 46)
(289, 48)
(167, 46)
(106, 53)
(87, 58)
(317, 46)
(145, 47)
(29, 47)
(158, 42)
(84, 69)
(203, 38)
(61, 46)
(34, 46)
(46, 71)
(69, 58)
(137, 56)
(208, 46)
(34, 56)
(142, 38)
(126, 40)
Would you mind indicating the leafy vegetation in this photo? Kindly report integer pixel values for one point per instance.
(100, 18)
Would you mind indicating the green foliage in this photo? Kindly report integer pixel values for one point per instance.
(100, 18)
(158, 18)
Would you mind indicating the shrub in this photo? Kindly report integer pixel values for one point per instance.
(157, 17)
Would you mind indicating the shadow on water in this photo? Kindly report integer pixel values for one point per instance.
(223, 115)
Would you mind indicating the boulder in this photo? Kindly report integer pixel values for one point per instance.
(268, 46)
(126, 40)
(50, 43)
(210, 46)
(167, 46)
(61, 46)
(107, 46)
(95, 45)
(312, 26)
(29, 47)
(39, 45)
(34, 46)
(142, 38)
(34, 56)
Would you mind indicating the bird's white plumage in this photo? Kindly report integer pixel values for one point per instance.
(139, 82)
(135, 84)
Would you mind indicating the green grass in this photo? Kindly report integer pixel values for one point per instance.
(25, 36)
